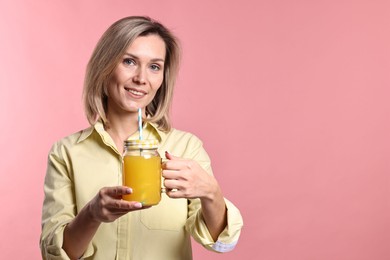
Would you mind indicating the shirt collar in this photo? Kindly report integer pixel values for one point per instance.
(85, 134)
(160, 134)
(99, 128)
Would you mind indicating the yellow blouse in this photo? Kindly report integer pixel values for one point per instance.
(81, 164)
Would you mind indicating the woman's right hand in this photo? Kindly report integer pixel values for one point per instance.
(108, 205)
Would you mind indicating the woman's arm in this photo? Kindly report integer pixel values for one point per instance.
(79, 233)
(214, 212)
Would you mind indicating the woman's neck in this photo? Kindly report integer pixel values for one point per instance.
(121, 127)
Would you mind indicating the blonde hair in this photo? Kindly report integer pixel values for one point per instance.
(108, 53)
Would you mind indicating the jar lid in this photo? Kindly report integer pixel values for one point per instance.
(142, 144)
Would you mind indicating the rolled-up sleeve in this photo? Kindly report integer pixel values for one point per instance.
(228, 238)
(59, 205)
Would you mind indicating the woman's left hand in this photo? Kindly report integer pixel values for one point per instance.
(187, 179)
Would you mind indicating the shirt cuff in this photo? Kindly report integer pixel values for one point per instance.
(222, 247)
(228, 238)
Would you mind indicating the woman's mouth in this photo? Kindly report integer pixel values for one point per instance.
(136, 93)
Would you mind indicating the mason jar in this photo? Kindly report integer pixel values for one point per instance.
(142, 171)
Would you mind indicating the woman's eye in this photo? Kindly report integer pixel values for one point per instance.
(128, 61)
(155, 67)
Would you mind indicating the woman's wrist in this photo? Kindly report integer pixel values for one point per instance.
(89, 213)
(214, 193)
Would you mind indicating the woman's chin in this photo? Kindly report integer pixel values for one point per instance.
(133, 107)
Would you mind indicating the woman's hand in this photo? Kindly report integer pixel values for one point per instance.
(187, 179)
(108, 205)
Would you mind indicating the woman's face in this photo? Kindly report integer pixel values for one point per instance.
(138, 76)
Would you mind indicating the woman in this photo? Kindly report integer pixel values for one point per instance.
(134, 65)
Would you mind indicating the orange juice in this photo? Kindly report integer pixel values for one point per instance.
(142, 173)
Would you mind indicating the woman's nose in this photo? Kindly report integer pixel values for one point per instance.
(139, 76)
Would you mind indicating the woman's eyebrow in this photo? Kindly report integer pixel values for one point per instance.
(153, 60)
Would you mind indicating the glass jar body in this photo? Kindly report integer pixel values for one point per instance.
(142, 173)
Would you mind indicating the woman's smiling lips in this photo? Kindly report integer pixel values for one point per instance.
(135, 93)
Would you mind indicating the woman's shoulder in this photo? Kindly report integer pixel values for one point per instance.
(174, 132)
(186, 145)
(74, 138)
(176, 135)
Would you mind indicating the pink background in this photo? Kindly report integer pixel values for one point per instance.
(291, 99)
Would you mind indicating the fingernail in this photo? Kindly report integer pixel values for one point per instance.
(138, 205)
(129, 190)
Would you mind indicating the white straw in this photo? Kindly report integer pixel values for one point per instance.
(140, 123)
